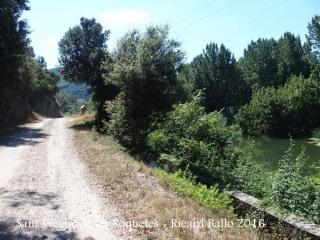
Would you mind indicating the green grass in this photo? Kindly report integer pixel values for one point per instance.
(184, 184)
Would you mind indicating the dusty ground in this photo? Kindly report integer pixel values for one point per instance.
(46, 191)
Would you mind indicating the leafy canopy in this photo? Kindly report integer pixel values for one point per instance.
(145, 67)
(270, 62)
(313, 36)
(13, 30)
(291, 109)
(82, 51)
(215, 71)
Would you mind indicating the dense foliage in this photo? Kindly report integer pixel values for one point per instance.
(269, 63)
(293, 109)
(215, 72)
(202, 141)
(274, 87)
(184, 111)
(82, 51)
(291, 191)
(12, 27)
(11, 52)
(145, 67)
(313, 36)
(202, 144)
(23, 77)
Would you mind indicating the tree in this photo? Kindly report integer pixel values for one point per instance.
(23, 78)
(259, 64)
(145, 69)
(215, 71)
(291, 60)
(13, 36)
(42, 62)
(270, 62)
(37, 79)
(82, 51)
(14, 31)
(313, 41)
(291, 109)
(313, 36)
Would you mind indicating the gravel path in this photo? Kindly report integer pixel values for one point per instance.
(46, 191)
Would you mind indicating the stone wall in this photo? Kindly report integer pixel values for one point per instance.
(291, 226)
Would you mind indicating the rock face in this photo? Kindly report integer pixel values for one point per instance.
(14, 110)
(45, 105)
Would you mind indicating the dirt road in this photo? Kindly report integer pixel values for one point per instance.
(46, 191)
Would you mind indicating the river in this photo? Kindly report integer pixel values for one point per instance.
(271, 150)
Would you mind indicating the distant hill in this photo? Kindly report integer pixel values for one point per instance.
(80, 91)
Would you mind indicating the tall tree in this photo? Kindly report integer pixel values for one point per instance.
(259, 64)
(270, 63)
(145, 69)
(215, 71)
(313, 36)
(13, 35)
(82, 51)
(291, 59)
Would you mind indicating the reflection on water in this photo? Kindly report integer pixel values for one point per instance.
(271, 150)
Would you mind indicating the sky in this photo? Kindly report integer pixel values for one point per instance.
(195, 23)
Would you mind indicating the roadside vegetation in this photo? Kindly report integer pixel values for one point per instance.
(193, 117)
(24, 77)
(143, 193)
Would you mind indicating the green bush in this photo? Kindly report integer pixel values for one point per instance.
(293, 192)
(293, 109)
(190, 137)
(316, 133)
(145, 68)
(184, 183)
(123, 128)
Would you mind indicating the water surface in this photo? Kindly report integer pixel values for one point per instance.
(271, 150)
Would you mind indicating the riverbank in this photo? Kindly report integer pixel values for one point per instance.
(142, 195)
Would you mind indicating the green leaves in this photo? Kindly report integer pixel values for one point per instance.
(13, 31)
(198, 139)
(292, 109)
(293, 192)
(144, 67)
(184, 184)
(270, 62)
(215, 72)
(313, 36)
(82, 50)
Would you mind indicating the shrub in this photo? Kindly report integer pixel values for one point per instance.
(184, 183)
(190, 137)
(145, 68)
(123, 128)
(316, 133)
(293, 192)
(292, 109)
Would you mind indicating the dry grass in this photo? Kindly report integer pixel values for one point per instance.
(141, 196)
